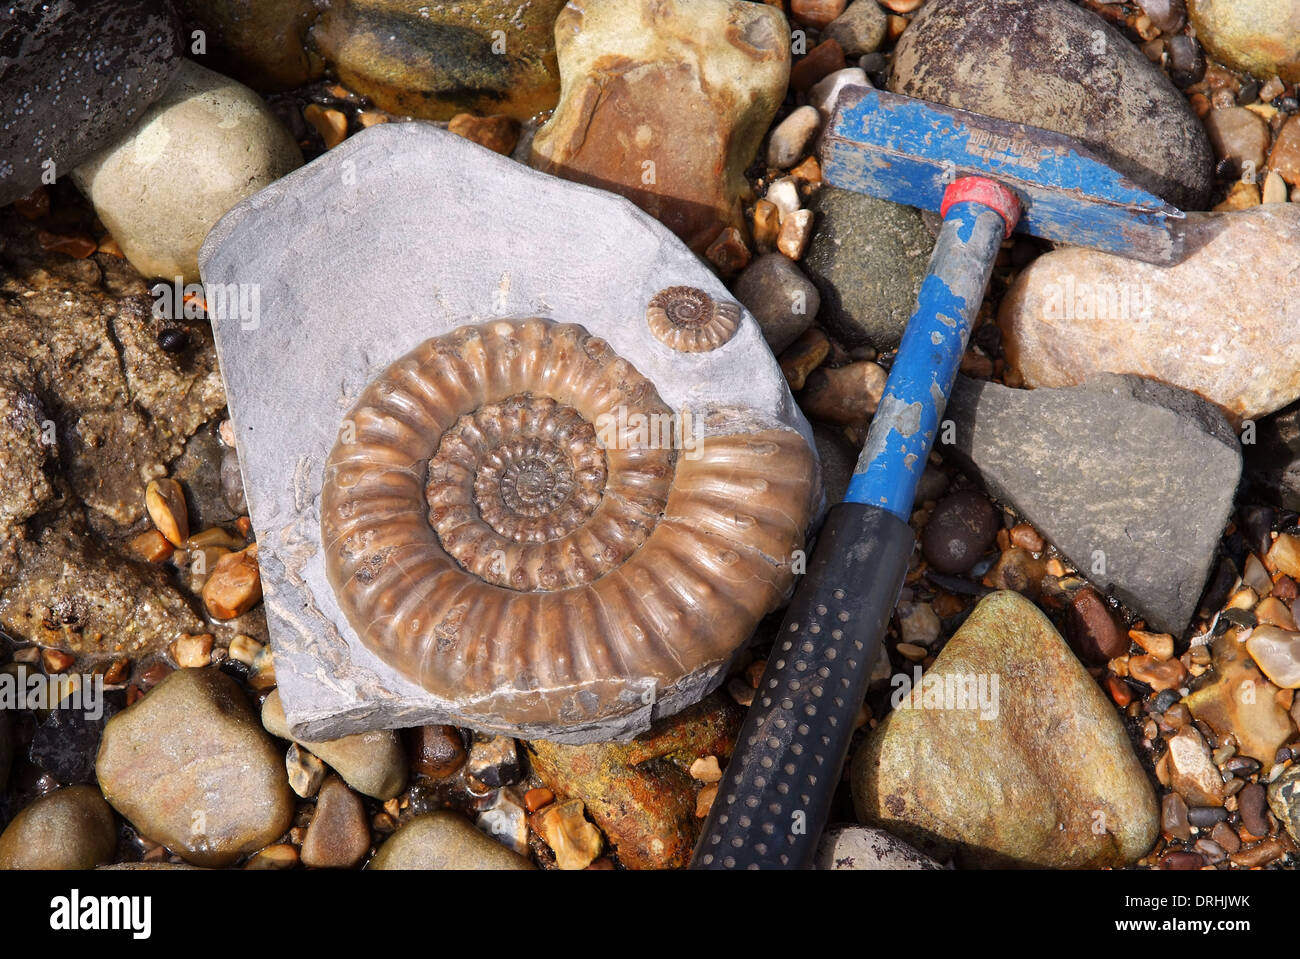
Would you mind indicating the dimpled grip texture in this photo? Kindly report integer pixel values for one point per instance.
(774, 798)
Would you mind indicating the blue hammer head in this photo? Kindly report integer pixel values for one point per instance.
(909, 151)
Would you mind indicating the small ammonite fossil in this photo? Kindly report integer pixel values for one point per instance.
(691, 321)
(499, 527)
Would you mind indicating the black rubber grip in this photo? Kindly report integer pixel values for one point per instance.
(775, 796)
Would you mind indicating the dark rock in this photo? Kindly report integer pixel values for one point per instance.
(1049, 63)
(1273, 459)
(1133, 481)
(780, 297)
(960, 530)
(1167, 16)
(1186, 60)
(260, 42)
(1094, 631)
(1205, 817)
(494, 761)
(76, 75)
(1173, 817)
(6, 749)
(66, 743)
(867, 258)
(839, 459)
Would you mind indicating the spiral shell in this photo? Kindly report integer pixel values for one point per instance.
(691, 321)
(497, 530)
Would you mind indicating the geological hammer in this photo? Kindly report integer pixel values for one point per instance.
(987, 178)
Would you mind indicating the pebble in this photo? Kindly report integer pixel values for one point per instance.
(728, 252)
(280, 856)
(434, 61)
(191, 768)
(846, 847)
(940, 778)
(1284, 800)
(1277, 653)
(1182, 861)
(499, 134)
(436, 751)
(796, 231)
(821, 61)
(845, 395)
(338, 836)
(232, 483)
(1173, 817)
(867, 258)
(960, 530)
(1210, 850)
(207, 144)
(373, 763)
(767, 226)
(826, 93)
(791, 137)
(70, 828)
(66, 742)
(1221, 302)
(165, 502)
(235, 584)
(706, 769)
(780, 297)
(1241, 196)
(1252, 803)
(803, 356)
(506, 821)
(564, 827)
(992, 58)
(443, 840)
(1257, 36)
(191, 651)
(1260, 854)
(816, 13)
(1093, 629)
(76, 77)
(919, 625)
(860, 29)
(784, 195)
(1226, 837)
(1275, 190)
(1206, 817)
(691, 98)
(838, 458)
(1284, 554)
(494, 761)
(331, 124)
(1285, 158)
(1159, 674)
(306, 772)
(1192, 772)
(1239, 701)
(1186, 60)
(1240, 140)
(1167, 16)
(1159, 645)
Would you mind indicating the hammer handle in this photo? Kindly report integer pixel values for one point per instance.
(775, 797)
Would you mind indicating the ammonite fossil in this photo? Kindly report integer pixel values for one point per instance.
(512, 519)
(689, 320)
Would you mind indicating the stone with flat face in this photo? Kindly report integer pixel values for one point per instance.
(665, 102)
(379, 251)
(1132, 480)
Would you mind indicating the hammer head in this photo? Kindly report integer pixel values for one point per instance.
(907, 151)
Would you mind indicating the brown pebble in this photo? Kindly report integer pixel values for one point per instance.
(192, 651)
(78, 247)
(1252, 802)
(535, 799)
(235, 585)
(705, 799)
(498, 134)
(809, 171)
(1173, 817)
(34, 205)
(331, 124)
(1181, 860)
(437, 751)
(1226, 837)
(1093, 629)
(1260, 854)
(767, 225)
(1159, 674)
(803, 356)
(338, 836)
(1026, 537)
(280, 856)
(1159, 645)
(56, 660)
(816, 13)
(844, 396)
(1119, 691)
(728, 253)
(151, 546)
(821, 61)
(165, 502)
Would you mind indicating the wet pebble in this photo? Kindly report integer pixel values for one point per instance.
(444, 840)
(1186, 60)
(1205, 817)
(494, 761)
(961, 529)
(791, 137)
(1182, 860)
(1167, 16)
(437, 751)
(1240, 139)
(1093, 629)
(338, 836)
(1173, 817)
(1192, 772)
(70, 828)
(1252, 803)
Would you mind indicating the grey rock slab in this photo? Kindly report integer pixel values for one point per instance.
(74, 76)
(865, 847)
(1132, 480)
(402, 233)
